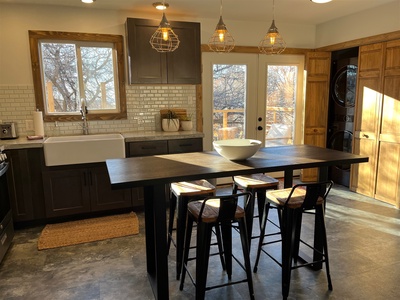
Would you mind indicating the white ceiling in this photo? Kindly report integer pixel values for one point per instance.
(290, 11)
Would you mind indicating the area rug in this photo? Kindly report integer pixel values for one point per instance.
(88, 230)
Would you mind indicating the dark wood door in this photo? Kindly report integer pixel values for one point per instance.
(67, 192)
(102, 196)
(25, 184)
(146, 65)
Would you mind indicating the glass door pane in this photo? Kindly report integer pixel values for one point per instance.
(229, 95)
(281, 96)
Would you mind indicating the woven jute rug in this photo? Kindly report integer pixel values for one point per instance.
(88, 230)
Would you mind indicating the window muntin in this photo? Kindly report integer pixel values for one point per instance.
(71, 67)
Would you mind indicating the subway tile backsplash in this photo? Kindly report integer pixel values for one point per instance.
(17, 102)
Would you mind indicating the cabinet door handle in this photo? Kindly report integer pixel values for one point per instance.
(84, 178)
(185, 145)
(365, 135)
(90, 178)
(148, 147)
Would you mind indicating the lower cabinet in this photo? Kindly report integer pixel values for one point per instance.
(159, 147)
(25, 184)
(70, 190)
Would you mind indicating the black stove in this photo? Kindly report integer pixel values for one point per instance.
(6, 222)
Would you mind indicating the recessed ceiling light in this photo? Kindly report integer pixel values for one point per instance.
(321, 1)
(161, 5)
(88, 1)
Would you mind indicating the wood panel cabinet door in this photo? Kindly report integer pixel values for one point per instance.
(388, 175)
(102, 196)
(366, 126)
(66, 192)
(25, 184)
(146, 65)
(316, 107)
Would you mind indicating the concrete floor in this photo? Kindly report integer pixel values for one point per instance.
(364, 248)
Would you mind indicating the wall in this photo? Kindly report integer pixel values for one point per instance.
(144, 102)
(383, 19)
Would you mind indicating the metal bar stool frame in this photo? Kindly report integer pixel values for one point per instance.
(314, 198)
(208, 216)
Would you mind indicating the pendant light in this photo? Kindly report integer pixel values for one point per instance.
(221, 41)
(164, 39)
(272, 43)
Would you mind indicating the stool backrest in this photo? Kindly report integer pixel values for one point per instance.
(226, 206)
(314, 191)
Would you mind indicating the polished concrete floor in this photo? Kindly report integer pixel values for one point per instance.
(364, 248)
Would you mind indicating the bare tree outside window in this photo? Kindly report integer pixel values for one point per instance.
(229, 93)
(73, 72)
(71, 67)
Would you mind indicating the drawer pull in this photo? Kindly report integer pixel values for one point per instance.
(185, 145)
(148, 147)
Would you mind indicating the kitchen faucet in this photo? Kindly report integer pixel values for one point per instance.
(84, 112)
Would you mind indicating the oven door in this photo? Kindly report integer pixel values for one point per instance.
(6, 223)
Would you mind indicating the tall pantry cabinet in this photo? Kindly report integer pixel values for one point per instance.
(377, 123)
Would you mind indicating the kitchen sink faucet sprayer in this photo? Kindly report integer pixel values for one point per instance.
(84, 112)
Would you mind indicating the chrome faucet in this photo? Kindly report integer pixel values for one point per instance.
(84, 112)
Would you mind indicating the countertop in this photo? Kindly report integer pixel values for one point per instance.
(23, 142)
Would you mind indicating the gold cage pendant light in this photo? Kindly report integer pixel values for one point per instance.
(221, 41)
(272, 43)
(164, 38)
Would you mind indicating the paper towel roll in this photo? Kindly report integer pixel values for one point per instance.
(38, 123)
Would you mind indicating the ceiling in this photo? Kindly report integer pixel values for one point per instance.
(290, 11)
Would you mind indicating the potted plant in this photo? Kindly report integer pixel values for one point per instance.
(186, 122)
(170, 121)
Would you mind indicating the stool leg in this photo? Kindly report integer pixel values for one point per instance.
(246, 255)
(261, 203)
(226, 228)
(220, 246)
(202, 255)
(296, 245)
(180, 233)
(249, 210)
(288, 234)
(321, 213)
(172, 207)
(188, 235)
(264, 219)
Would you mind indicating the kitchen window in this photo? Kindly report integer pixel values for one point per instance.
(74, 68)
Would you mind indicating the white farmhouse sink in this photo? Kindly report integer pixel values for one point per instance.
(80, 149)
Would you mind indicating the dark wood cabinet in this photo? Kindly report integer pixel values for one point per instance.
(78, 189)
(146, 65)
(25, 184)
(159, 147)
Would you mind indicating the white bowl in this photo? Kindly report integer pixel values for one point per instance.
(237, 149)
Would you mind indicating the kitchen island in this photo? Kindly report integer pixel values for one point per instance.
(154, 172)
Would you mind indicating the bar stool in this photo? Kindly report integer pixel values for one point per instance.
(209, 213)
(181, 193)
(257, 185)
(293, 202)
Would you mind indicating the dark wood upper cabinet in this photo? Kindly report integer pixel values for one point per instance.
(146, 65)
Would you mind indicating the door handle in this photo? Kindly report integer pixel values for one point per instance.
(365, 135)
(259, 128)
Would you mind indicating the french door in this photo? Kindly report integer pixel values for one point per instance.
(253, 96)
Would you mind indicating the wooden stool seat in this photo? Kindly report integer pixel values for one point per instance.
(192, 188)
(254, 181)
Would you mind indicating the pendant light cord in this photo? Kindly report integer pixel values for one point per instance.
(220, 9)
